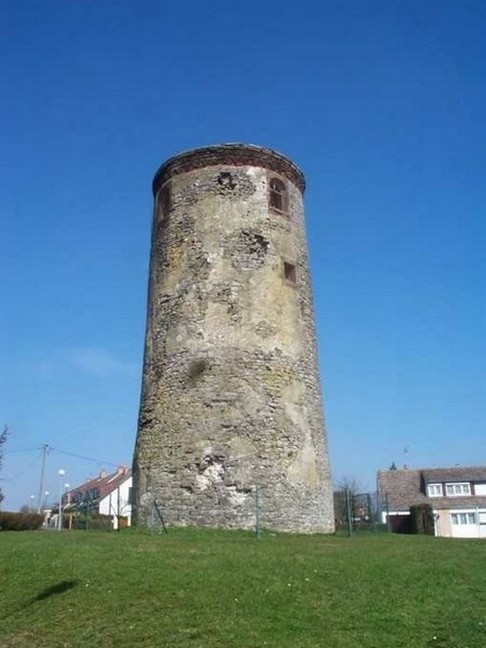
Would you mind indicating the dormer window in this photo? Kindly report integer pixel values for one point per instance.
(278, 196)
(458, 489)
(434, 490)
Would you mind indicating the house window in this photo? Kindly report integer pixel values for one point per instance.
(458, 489)
(290, 272)
(278, 197)
(463, 518)
(434, 490)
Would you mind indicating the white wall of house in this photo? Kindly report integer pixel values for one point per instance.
(482, 523)
(384, 515)
(470, 523)
(480, 489)
(466, 523)
(117, 503)
(442, 524)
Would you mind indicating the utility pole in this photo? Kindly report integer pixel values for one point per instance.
(45, 450)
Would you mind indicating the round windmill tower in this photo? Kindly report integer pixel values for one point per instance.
(231, 399)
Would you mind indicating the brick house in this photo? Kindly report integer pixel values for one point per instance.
(107, 494)
(457, 496)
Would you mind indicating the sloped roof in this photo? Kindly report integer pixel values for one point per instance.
(401, 489)
(456, 474)
(105, 483)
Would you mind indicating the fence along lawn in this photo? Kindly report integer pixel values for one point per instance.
(211, 589)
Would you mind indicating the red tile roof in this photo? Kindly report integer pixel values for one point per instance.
(104, 483)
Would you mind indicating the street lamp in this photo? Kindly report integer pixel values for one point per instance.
(61, 472)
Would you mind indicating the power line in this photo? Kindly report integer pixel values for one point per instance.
(22, 450)
(21, 472)
(64, 452)
(78, 456)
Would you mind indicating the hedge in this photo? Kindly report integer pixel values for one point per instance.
(422, 519)
(95, 522)
(20, 521)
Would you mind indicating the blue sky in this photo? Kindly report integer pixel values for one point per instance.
(381, 103)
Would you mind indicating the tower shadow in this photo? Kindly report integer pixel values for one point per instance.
(58, 588)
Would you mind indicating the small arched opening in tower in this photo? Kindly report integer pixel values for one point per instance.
(278, 195)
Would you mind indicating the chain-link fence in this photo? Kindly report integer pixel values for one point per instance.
(357, 512)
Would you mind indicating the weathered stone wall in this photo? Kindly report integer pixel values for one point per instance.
(230, 395)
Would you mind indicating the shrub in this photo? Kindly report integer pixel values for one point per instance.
(20, 521)
(95, 522)
(422, 519)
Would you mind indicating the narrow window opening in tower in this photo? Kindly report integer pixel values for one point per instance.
(164, 201)
(278, 195)
(290, 272)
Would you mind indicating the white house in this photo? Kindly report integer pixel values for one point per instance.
(107, 494)
(457, 497)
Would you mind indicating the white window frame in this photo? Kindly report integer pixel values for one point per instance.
(463, 518)
(458, 489)
(434, 490)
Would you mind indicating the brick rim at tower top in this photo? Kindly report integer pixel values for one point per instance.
(230, 154)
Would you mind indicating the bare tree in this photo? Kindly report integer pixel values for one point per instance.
(351, 484)
(352, 503)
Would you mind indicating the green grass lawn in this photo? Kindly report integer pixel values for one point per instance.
(213, 589)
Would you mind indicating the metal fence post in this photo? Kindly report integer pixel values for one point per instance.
(387, 508)
(348, 512)
(257, 511)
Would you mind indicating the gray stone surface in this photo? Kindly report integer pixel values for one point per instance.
(231, 397)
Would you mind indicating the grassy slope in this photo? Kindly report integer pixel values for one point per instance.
(213, 589)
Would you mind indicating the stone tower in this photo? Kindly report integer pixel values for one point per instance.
(231, 398)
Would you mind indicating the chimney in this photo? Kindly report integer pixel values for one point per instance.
(103, 474)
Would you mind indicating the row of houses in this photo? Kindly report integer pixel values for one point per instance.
(457, 496)
(107, 494)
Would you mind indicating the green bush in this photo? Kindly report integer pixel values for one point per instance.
(95, 522)
(20, 521)
(422, 519)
